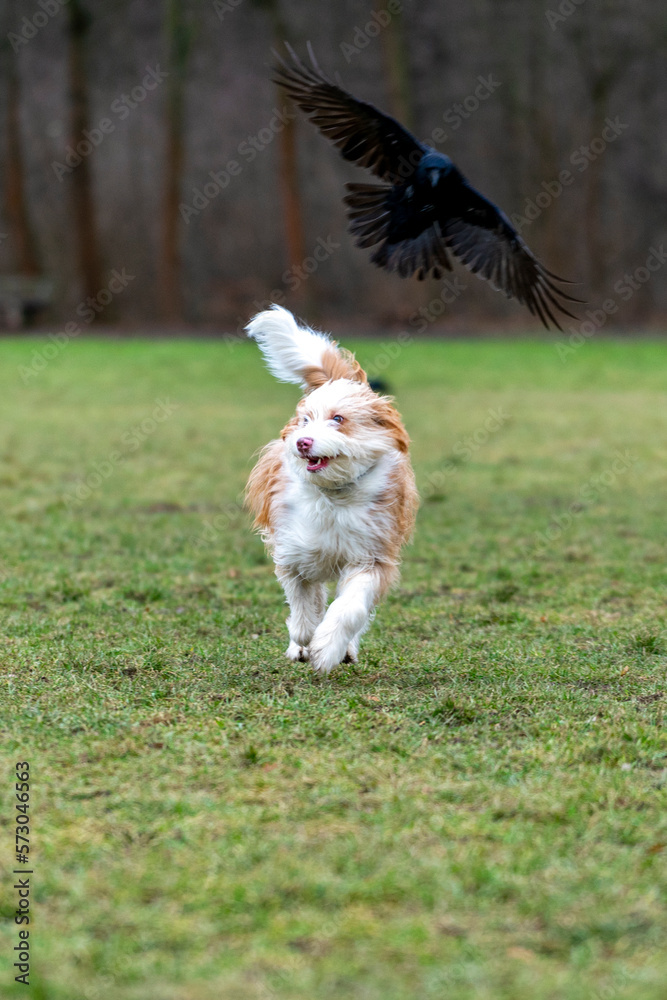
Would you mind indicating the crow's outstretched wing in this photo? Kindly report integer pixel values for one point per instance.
(413, 223)
(362, 133)
(484, 239)
(412, 229)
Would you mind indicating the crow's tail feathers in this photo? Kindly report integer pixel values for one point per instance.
(371, 209)
(298, 354)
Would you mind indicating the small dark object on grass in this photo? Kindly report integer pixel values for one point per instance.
(379, 385)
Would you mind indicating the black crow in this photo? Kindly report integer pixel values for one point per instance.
(426, 208)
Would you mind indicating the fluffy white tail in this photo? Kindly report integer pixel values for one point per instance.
(298, 354)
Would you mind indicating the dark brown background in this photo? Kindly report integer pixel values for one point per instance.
(560, 70)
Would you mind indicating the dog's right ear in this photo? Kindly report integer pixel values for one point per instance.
(298, 354)
(335, 363)
(387, 417)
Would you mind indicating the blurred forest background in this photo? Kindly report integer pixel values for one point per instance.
(152, 170)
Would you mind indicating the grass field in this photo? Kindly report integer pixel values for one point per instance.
(477, 810)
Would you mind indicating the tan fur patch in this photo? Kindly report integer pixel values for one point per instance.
(407, 501)
(402, 500)
(388, 417)
(291, 424)
(336, 363)
(401, 495)
(266, 481)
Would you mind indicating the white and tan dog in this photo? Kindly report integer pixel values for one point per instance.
(335, 497)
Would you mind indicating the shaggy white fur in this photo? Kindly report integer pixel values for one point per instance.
(334, 498)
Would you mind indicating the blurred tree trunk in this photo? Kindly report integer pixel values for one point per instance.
(530, 157)
(291, 194)
(178, 39)
(396, 69)
(603, 64)
(20, 231)
(541, 117)
(593, 220)
(511, 156)
(290, 189)
(397, 81)
(78, 24)
(600, 71)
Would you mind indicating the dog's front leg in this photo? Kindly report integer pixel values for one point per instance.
(307, 602)
(346, 618)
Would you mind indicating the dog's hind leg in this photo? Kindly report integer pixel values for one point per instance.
(307, 602)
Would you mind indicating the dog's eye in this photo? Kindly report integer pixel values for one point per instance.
(304, 419)
(338, 418)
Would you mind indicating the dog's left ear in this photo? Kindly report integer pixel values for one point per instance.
(298, 354)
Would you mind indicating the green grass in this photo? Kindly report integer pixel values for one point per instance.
(475, 811)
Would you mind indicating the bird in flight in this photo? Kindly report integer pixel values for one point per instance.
(425, 210)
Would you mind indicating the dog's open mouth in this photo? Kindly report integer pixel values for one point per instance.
(315, 463)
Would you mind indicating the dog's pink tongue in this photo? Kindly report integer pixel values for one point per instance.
(317, 463)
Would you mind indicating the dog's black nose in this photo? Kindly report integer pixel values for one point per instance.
(304, 445)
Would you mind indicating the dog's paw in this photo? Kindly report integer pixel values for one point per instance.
(324, 656)
(323, 664)
(297, 653)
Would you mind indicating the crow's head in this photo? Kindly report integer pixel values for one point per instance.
(432, 166)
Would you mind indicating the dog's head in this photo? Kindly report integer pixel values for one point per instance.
(340, 431)
(341, 428)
